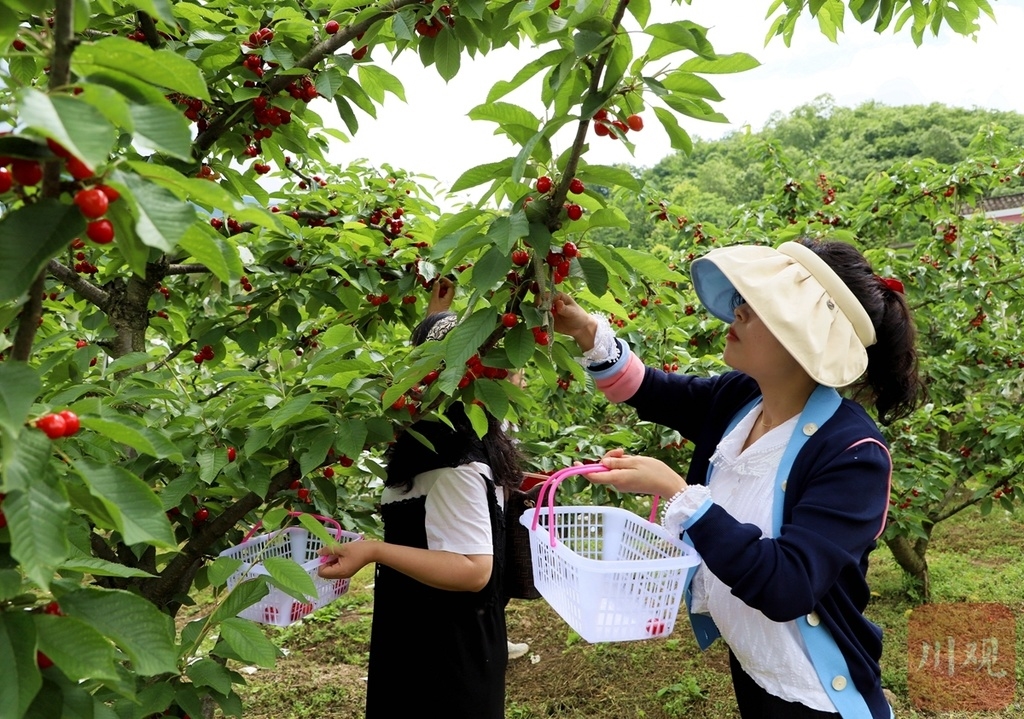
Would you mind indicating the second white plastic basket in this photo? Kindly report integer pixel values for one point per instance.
(295, 543)
(610, 574)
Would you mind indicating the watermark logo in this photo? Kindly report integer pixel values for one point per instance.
(961, 657)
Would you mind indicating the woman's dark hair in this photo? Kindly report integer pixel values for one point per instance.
(892, 381)
(454, 445)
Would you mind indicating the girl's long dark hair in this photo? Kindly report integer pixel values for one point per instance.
(892, 382)
(452, 446)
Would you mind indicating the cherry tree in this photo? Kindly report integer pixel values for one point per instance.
(206, 319)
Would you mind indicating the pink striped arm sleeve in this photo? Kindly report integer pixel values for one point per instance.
(624, 384)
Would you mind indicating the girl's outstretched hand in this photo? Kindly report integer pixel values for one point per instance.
(441, 295)
(638, 475)
(341, 561)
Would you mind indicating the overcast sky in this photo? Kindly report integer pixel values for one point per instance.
(431, 134)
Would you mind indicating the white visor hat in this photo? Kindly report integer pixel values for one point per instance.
(800, 299)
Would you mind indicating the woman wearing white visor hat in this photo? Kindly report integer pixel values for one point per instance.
(788, 488)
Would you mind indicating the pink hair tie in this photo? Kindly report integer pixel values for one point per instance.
(892, 283)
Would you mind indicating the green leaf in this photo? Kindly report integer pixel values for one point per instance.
(609, 217)
(78, 126)
(693, 108)
(678, 137)
(19, 387)
(596, 275)
(351, 438)
(29, 237)
(162, 219)
(134, 433)
(447, 54)
(721, 64)
(493, 397)
(78, 649)
(163, 68)
(22, 680)
(101, 567)
(519, 345)
(162, 129)
(288, 576)
(477, 418)
(144, 633)
(649, 266)
(374, 77)
(686, 83)
(609, 177)
(26, 458)
(502, 87)
(221, 568)
(482, 173)
(465, 340)
(248, 642)
(243, 595)
(37, 518)
(132, 505)
(491, 268)
(209, 673)
(505, 114)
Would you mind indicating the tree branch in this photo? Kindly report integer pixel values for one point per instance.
(72, 279)
(186, 269)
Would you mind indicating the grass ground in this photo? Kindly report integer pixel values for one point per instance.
(972, 560)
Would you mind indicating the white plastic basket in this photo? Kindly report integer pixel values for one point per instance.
(300, 545)
(611, 575)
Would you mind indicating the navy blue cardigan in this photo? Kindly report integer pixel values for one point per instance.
(835, 506)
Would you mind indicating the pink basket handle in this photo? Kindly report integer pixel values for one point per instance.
(551, 484)
(322, 518)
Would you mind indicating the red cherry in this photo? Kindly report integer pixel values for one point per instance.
(555, 5)
(300, 610)
(303, 494)
(509, 319)
(655, 627)
(575, 212)
(81, 343)
(52, 424)
(543, 184)
(360, 53)
(19, 44)
(6, 181)
(540, 335)
(345, 461)
(570, 250)
(232, 454)
(3, 520)
(329, 472)
(100, 231)
(92, 202)
(332, 27)
(398, 403)
(112, 194)
(520, 258)
(43, 661)
(201, 515)
(26, 172)
(77, 169)
(430, 377)
(576, 186)
(71, 422)
(635, 122)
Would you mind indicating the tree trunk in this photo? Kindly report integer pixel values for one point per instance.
(910, 555)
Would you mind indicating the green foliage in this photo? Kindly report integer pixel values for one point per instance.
(231, 332)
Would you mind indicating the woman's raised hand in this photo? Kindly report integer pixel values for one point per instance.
(571, 319)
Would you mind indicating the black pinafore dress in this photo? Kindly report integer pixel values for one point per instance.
(435, 652)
